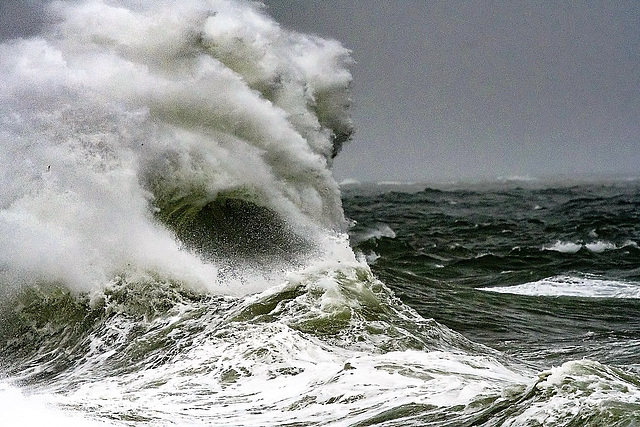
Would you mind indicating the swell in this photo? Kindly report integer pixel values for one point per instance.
(329, 338)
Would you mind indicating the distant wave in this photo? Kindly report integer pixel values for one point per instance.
(350, 181)
(595, 247)
(375, 233)
(586, 286)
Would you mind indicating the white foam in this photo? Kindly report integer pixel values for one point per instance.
(581, 390)
(349, 181)
(573, 286)
(396, 183)
(376, 232)
(18, 409)
(571, 247)
(276, 374)
(600, 246)
(564, 247)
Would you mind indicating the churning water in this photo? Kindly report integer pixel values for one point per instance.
(173, 247)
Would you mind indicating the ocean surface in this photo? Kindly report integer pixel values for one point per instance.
(174, 250)
(544, 271)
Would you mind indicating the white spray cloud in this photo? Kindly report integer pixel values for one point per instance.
(120, 102)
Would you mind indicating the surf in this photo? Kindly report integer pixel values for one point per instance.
(173, 247)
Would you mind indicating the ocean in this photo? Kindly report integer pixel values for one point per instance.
(174, 250)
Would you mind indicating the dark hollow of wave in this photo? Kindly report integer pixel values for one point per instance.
(229, 231)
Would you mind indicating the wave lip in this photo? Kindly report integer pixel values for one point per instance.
(586, 286)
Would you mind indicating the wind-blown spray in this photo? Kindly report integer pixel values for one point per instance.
(126, 119)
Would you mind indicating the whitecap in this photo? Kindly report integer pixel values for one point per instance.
(564, 247)
(586, 286)
(600, 246)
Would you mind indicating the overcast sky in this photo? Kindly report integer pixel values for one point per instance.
(448, 90)
(466, 89)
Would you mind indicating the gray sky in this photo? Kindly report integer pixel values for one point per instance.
(470, 89)
(20, 17)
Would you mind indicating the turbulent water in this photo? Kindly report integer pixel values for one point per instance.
(175, 251)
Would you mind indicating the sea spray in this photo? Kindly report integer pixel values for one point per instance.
(124, 120)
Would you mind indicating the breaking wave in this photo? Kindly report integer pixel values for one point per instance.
(128, 124)
(173, 248)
